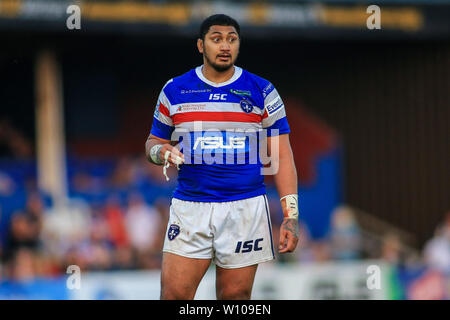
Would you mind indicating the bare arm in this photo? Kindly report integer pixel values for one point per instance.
(286, 176)
(286, 184)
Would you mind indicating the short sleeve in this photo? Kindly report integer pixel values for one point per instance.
(162, 126)
(274, 116)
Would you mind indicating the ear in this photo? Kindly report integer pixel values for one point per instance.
(200, 45)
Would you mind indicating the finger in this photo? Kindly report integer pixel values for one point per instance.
(176, 156)
(172, 158)
(291, 245)
(177, 152)
(292, 242)
(176, 159)
(284, 250)
(282, 243)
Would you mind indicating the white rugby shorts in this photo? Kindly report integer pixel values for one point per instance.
(234, 234)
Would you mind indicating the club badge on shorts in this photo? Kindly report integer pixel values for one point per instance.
(246, 105)
(174, 230)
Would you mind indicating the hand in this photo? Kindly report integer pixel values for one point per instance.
(175, 158)
(289, 235)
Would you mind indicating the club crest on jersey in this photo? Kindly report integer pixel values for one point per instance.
(246, 106)
(174, 231)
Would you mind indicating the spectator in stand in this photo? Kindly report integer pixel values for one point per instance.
(1, 245)
(23, 243)
(34, 211)
(13, 143)
(7, 185)
(142, 222)
(321, 251)
(97, 251)
(19, 236)
(144, 226)
(391, 247)
(25, 227)
(63, 232)
(122, 176)
(23, 265)
(305, 253)
(122, 253)
(345, 235)
(114, 217)
(124, 258)
(162, 206)
(437, 250)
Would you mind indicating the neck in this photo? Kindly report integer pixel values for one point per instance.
(217, 76)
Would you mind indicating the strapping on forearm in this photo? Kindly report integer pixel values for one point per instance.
(289, 204)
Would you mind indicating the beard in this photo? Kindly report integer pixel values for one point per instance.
(219, 67)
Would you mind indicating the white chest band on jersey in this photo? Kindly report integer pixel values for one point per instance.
(290, 205)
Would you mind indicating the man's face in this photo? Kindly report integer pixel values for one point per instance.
(220, 47)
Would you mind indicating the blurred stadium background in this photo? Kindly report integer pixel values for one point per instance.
(369, 111)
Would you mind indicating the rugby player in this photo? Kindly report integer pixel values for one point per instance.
(204, 123)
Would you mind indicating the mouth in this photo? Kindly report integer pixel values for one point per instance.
(224, 57)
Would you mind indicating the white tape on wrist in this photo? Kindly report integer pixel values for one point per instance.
(154, 153)
(291, 205)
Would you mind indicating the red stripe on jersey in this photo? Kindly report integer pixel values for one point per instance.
(216, 116)
(163, 109)
(265, 115)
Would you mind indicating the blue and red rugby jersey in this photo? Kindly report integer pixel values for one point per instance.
(219, 126)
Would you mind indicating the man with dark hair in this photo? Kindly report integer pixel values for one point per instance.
(218, 20)
(216, 123)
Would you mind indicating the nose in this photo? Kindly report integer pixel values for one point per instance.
(225, 46)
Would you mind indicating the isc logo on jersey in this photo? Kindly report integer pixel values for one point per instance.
(218, 143)
(218, 96)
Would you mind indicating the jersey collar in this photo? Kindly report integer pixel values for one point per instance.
(236, 75)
